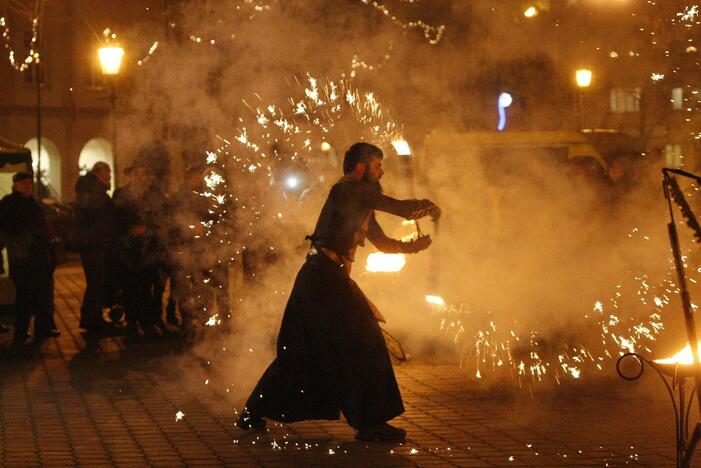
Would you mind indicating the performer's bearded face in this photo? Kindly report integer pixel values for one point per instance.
(373, 170)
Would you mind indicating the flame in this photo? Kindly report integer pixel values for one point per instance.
(437, 300)
(382, 262)
(683, 357)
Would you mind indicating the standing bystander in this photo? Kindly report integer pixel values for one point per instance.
(27, 235)
(95, 226)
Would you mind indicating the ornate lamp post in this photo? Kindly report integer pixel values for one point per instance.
(111, 62)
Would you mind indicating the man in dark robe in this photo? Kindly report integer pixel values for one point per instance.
(331, 354)
(26, 232)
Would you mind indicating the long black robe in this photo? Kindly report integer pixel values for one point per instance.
(331, 354)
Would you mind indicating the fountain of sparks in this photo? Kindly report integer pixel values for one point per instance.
(280, 143)
(488, 345)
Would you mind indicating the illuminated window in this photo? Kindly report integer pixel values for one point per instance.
(677, 98)
(625, 100)
(673, 155)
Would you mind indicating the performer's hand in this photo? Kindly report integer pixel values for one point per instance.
(427, 208)
(434, 212)
(417, 245)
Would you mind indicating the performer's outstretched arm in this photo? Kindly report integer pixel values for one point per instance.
(372, 197)
(388, 245)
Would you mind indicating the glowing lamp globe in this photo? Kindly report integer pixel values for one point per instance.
(583, 77)
(505, 100)
(530, 12)
(292, 182)
(401, 146)
(110, 59)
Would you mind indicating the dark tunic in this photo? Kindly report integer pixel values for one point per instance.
(331, 354)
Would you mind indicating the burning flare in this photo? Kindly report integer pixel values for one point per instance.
(683, 357)
(386, 263)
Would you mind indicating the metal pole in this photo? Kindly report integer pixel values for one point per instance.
(580, 109)
(37, 71)
(37, 77)
(113, 110)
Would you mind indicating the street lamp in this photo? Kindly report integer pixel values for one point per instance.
(111, 62)
(530, 12)
(583, 78)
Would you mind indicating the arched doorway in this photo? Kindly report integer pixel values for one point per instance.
(97, 149)
(50, 164)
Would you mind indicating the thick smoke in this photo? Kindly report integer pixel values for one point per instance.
(522, 244)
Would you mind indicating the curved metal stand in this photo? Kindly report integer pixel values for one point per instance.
(673, 378)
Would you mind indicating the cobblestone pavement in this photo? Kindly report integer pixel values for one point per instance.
(114, 402)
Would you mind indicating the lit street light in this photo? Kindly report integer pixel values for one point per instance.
(530, 12)
(111, 62)
(503, 102)
(583, 77)
(110, 59)
(401, 146)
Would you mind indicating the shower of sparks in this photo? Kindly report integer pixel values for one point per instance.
(32, 56)
(213, 320)
(179, 416)
(433, 34)
(657, 76)
(689, 14)
(280, 146)
(479, 336)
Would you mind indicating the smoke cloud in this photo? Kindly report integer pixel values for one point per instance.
(524, 247)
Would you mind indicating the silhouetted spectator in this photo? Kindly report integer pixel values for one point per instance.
(27, 235)
(96, 231)
(137, 245)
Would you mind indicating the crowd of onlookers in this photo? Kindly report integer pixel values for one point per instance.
(132, 244)
(135, 242)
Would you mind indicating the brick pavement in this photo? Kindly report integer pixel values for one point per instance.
(114, 403)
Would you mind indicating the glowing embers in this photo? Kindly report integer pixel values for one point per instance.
(435, 300)
(379, 262)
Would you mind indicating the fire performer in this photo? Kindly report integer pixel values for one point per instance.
(331, 355)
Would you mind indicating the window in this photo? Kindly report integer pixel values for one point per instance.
(677, 98)
(673, 155)
(625, 100)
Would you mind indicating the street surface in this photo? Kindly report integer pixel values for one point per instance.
(114, 403)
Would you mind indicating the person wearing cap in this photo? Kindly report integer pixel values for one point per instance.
(26, 233)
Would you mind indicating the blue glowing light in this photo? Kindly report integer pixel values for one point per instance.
(503, 102)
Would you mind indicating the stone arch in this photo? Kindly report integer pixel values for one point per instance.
(50, 163)
(96, 149)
